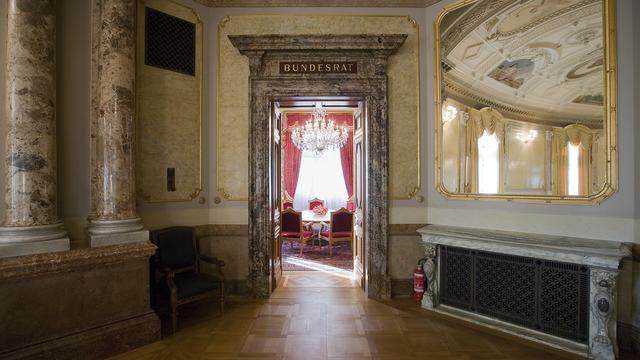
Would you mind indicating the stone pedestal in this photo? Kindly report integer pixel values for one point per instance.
(31, 223)
(79, 304)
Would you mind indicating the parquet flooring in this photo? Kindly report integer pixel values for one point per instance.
(315, 315)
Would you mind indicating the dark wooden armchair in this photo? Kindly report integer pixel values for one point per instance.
(177, 264)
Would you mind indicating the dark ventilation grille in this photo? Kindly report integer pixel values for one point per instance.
(547, 296)
(170, 42)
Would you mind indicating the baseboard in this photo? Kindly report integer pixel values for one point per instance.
(401, 287)
(235, 287)
(96, 343)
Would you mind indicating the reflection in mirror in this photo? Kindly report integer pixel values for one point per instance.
(523, 96)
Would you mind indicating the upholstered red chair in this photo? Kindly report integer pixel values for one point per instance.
(351, 205)
(315, 202)
(291, 228)
(287, 201)
(340, 228)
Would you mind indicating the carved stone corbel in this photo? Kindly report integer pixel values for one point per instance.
(430, 298)
(602, 344)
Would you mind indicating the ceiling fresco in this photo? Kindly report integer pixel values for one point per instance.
(536, 60)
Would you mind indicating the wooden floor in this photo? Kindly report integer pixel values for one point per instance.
(315, 315)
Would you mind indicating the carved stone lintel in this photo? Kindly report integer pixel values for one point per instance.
(255, 62)
(430, 299)
(602, 327)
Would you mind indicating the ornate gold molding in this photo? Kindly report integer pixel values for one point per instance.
(610, 121)
(199, 28)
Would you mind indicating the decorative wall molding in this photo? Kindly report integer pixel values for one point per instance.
(404, 94)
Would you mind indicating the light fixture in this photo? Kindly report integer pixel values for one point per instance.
(526, 137)
(319, 134)
(449, 113)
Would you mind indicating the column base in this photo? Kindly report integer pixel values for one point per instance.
(28, 240)
(112, 232)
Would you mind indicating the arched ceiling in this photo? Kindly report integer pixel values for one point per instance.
(534, 60)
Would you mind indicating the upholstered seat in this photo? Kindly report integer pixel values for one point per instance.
(339, 234)
(315, 202)
(291, 228)
(289, 234)
(192, 283)
(340, 228)
(177, 266)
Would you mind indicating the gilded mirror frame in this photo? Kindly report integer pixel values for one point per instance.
(610, 185)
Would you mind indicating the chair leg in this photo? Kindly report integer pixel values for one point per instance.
(174, 319)
(301, 246)
(222, 298)
(330, 247)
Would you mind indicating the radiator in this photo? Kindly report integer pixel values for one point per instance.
(548, 296)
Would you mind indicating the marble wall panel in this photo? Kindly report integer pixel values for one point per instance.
(169, 118)
(233, 103)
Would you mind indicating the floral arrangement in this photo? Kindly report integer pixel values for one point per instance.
(320, 210)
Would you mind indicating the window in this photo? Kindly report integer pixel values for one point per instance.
(321, 176)
(488, 164)
(574, 170)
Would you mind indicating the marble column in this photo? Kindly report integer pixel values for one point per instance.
(31, 223)
(113, 196)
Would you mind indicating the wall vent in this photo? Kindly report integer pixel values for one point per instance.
(170, 42)
(547, 296)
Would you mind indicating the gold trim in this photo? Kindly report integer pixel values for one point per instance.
(610, 119)
(415, 25)
(200, 67)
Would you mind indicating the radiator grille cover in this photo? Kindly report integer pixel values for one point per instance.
(548, 296)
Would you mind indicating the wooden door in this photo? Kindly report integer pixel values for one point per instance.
(275, 191)
(359, 191)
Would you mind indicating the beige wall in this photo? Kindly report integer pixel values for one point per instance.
(235, 212)
(3, 62)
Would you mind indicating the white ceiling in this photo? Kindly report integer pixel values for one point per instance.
(540, 60)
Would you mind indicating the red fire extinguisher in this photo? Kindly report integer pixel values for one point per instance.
(419, 281)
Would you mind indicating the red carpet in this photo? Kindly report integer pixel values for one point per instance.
(315, 258)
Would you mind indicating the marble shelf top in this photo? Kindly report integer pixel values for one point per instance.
(600, 253)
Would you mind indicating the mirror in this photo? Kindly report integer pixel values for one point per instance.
(525, 100)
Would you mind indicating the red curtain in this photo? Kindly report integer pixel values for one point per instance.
(346, 152)
(292, 155)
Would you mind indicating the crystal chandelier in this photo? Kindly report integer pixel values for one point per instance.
(319, 134)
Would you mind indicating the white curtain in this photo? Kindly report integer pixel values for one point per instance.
(321, 177)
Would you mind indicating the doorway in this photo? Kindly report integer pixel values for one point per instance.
(353, 67)
(322, 181)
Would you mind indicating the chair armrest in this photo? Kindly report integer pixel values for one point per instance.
(212, 260)
(164, 269)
